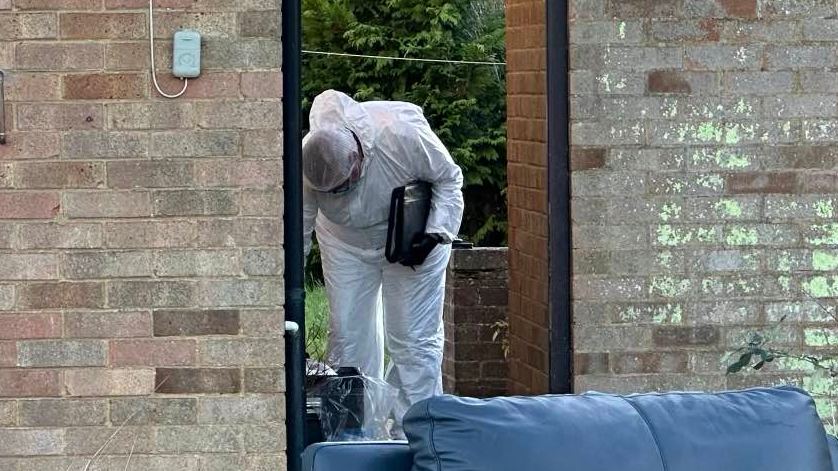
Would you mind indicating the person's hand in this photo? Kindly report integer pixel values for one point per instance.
(421, 248)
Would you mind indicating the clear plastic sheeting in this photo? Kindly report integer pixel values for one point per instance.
(354, 407)
(317, 369)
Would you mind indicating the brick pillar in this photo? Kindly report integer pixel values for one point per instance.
(476, 299)
(527, 156)
(140, 239)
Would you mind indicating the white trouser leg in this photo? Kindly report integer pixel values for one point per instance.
(353, 286)
(413, 303)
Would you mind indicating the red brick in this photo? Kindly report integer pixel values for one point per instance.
(30, 326)
(61, 295)
(59, 175)
(29, 383)
(262, 84)
(32, 87)
(192, 323)
(31, 145)
(763, 183)
(132, 56)
(691, 31)
(809, 157)
(674, 336)
(153, 352)
(103, 26)
(740, 8)
(820, 183)
(58, 4)
(465, 297)
(8, 354)
(137, 4)
(59, 56)
(29, 205)
(108, 324)
(668, 81)
(644, 8)
(109, 382)
(586, 159)
(218, 85)
(636, 363)
(60, 116)
(591, 363)
(198, 380)
(105, 87)
(261, 174)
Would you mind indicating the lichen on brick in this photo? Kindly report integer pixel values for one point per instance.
(711, 182)
(728, 208)
(670, 211)
(741, 236)
(784, 282)
(665, 260)
(728, 159)
(824, 261)
(669, 287)
(743, 108)
(671, 236)
(817, 337)
(672, 314)
(822, 286)
(826, 234)
(825, 209)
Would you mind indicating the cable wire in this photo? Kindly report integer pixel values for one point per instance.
(410, 59)
(151, 47)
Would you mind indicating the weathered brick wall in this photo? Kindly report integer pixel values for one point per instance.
(476, 294)
(704, 140)
(140, 238)
(527, 157)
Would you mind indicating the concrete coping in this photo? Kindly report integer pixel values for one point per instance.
(479, 259)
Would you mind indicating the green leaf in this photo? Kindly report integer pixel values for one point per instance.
(745, 359)
(735, 368)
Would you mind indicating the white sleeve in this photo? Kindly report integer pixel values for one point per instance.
(436, 166)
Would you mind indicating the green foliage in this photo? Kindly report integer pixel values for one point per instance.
(465, 104)
(317, 322)
(314, 266)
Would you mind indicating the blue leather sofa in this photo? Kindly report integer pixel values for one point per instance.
(762, 429)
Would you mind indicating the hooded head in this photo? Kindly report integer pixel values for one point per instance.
(331, 160)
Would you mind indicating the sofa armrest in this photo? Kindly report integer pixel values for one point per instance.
(358, 456)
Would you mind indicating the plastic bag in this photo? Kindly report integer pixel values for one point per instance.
(354, 407)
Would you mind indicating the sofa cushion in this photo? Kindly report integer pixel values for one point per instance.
(358, 456)
(591, 433)
(759, 429)
(763, 429)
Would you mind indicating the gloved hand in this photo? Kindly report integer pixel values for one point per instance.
(420, 249)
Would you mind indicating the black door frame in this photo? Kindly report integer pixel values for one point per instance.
(558, 183)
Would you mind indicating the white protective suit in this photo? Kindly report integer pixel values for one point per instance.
(369, 298)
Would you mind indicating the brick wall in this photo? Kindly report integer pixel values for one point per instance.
(527, 157)
(140, 255)
(704, 193)
(475, 302)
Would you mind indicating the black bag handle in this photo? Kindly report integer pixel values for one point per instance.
(394, 226)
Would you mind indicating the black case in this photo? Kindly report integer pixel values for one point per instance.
(410, 206)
